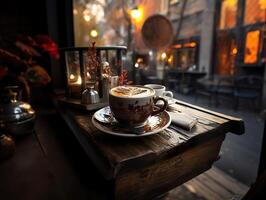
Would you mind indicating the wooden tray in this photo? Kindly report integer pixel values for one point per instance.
(75, 103)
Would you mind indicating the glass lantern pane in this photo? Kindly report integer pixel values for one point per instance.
(92, 67)
(73, 73)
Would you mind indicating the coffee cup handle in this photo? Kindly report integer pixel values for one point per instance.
(168, 94)
(161, 109)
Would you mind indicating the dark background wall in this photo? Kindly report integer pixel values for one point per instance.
(32, 17)
(27, 17)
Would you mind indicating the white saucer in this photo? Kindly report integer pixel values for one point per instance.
(154, 124)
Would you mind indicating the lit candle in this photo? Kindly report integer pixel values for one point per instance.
(75, 85)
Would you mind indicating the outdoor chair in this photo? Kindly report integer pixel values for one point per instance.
(206, 87)
(225, 89)
(248, 87)
(143, 76)
(172, 81)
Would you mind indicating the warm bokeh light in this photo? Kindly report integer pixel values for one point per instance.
(94, 33)
(72, 77)
(136, 14)
(228, 14)
(231, 3)
(170, 59)
(262, 4)
(234, 51)
(252, 47)
(190, 44)
(164, 55)
(139, 60)
(79, 81)
(254, 11)
(87, 18)
(177, 46)
(75, 11)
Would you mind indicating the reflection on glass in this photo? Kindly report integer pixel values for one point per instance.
(186, 58)
(73, 72)
(228, 14)
(226, 54)
(255, 11)
(252, 47)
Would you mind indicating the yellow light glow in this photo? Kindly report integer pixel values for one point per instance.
(163, 56)
(79, 81)
(94, 33)
(87, 18)
(75, 11)
(177, 46)
(193, 44)
(190, 44)
(71, 77)
(252, 47)
(139, 60)
(262, 4)
(234, 51)
(136, 14)
(231, 3)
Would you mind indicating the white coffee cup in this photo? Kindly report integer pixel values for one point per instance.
(160, 90)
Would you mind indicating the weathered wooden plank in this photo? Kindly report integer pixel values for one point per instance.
(142, 168)
(21, 173)
(236, 124)
(120, 153)
(160, 177)
(215, 187)
(215, 184)
(227, 181)
(196, 187)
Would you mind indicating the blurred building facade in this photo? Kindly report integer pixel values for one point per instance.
(222, 37)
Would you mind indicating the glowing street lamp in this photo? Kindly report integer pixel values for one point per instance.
(163, 56)
(94, 33)
(136, 14)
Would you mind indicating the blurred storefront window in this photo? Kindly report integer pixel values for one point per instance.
(254, 11)
(228, 14)
(226, 53)
(252, 47)
(186, 54)
(239, 36)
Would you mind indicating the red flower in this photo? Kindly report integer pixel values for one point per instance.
(48, 45)
(123, 78)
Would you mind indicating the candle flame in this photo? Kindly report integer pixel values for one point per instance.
(71, 77)
(79, 81)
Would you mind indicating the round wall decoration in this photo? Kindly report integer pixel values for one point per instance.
(157, 32)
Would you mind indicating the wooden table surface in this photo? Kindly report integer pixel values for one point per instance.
(143, 168)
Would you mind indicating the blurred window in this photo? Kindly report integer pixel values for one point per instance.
(228, 14)
(254, 11)
(186, 55)
(252, 47)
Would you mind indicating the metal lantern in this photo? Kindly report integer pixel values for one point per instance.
(82, 74)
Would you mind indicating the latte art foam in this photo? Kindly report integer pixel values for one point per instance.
(131, 91)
